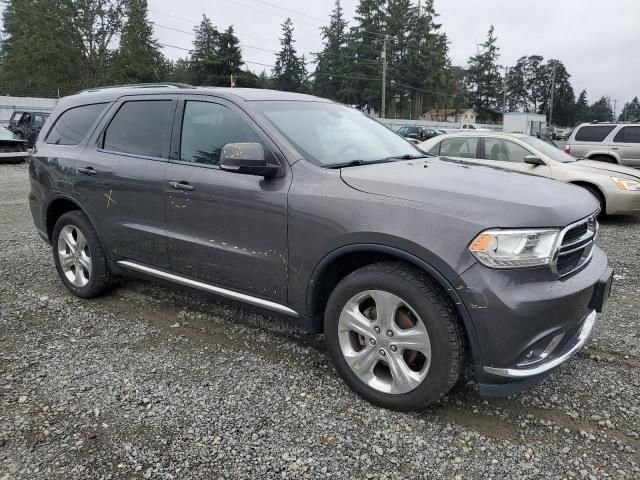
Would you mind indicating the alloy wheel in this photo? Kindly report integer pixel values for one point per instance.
(384, 341)
(74, 256)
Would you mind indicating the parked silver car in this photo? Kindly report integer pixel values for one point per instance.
(606, 142)
(616, 187)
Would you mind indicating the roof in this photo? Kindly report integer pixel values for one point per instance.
(480, 133)
(110, 94)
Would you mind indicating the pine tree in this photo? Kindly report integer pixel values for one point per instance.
(58, 46)
(290, 71)
(631, 111)
(425, 64)
(204, 56)
(601, 110)
(564, 110)
(582, 108)
(138, 59)
(365, 40)
(484, 80)
(332, 61)
(229, 58)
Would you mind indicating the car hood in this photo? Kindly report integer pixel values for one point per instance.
(488, 196)
(604, 168)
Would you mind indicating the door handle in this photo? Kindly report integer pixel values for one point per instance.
(614, 148)
(181, 186)
(87, 170)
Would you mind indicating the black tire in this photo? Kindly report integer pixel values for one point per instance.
(599, 197)
(434, 309)
(100, 278)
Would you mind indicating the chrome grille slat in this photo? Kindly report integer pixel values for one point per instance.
(575, 246)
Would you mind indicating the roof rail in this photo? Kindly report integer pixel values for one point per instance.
(138, 85)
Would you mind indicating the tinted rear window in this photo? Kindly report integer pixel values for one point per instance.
(139, 128)
(74, 124)
(628, 135)
(596, 133)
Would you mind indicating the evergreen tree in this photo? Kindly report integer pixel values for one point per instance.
(564, 110)
(365, 40)
(138, 58)
(582, 108)
(290, 71)
(484, 81)
(332, 61)
(229, 58)
(425, 65)
(204, 56)
(631, 111)
(54, 45)
(601, 110)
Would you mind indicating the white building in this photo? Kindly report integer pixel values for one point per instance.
(523, 122)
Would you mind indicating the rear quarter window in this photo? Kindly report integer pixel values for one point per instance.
(74, 124)
(596, 133)
(628, 135)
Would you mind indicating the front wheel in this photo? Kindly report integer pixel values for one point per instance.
(394, 337)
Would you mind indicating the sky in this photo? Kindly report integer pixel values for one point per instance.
(597, 41)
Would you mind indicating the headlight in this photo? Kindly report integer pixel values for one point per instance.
(626, 184)
(515, 248)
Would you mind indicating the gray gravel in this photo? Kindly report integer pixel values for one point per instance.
(155, 382)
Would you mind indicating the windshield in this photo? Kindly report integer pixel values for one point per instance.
(550, 151)
(332, 134)
(6, 134)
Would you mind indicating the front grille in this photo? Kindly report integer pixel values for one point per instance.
(575, 246)
(574, 233)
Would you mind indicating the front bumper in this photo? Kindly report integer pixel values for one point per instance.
(621, 201)
(528, 322)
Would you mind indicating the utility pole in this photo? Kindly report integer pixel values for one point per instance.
(615, 104)
(504, 91)
(553, 89)
(384, 77)
(232, 81)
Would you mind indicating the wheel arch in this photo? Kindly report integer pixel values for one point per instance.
(592, 186)
(344, 260)
(613, 157)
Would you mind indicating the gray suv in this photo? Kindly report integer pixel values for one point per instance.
(417, 269)
(608, 142)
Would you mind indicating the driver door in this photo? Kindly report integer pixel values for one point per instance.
(226, 229)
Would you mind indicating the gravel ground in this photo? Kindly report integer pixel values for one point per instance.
(155, 382)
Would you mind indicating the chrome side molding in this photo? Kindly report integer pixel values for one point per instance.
(223, 292)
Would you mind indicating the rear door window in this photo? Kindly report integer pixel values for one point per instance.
(628, 135)
(140, 128)
(504, 150)
(74, 124)
(464, 147)
(595, 133)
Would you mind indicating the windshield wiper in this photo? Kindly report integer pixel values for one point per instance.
(357, 163)
(410, 156)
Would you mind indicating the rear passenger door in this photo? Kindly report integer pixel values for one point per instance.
(626, 143)
(226, 229)
(121, 178)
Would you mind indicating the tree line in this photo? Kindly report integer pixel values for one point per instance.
(56, 47)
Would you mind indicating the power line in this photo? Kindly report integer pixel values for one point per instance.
(188, 50)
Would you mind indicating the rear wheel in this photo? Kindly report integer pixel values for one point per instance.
(80, 260)
(393, 336)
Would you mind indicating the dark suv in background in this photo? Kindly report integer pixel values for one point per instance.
(414, 267)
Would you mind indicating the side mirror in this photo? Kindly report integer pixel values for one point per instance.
(533, 160)
(247, 158)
